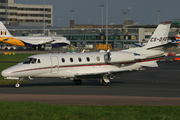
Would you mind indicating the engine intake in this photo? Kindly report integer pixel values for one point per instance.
(119, 57)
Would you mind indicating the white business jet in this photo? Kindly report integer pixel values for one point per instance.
(103, 65)
(30, 41)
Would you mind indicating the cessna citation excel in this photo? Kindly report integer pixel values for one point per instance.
(103, 65)
(30, 41)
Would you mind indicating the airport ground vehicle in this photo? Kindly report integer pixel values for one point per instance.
(8, 47)
(103, 47)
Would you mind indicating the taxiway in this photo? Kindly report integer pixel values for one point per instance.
(153, 86)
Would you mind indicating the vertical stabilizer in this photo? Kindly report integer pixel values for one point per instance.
(4, 31)
(159, 37)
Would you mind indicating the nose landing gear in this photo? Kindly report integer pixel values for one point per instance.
(17, 85)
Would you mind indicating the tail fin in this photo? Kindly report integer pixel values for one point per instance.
(4, 31)
(159, 37)
(177, 36)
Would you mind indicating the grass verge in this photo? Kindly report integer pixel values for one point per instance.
(16, 58)
(39, 111)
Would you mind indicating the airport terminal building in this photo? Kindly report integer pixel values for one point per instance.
(28, 20)
(120, 38)
(14, 14)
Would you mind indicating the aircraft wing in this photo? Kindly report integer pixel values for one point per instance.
(48, 42)
(36, 42)
(99, 74)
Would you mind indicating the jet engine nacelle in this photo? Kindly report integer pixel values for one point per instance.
(119, 57)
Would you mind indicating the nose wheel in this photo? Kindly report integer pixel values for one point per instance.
(17, 85)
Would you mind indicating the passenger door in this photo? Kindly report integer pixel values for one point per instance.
(54, 65)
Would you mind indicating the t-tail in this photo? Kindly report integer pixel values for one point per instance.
(159, 39)
(4, 31)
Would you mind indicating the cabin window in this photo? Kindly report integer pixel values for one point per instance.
(63, 60)
(88, 59)
(71, 59)
(79, 59)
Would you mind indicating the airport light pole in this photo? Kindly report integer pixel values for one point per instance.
(44, 18)
(106, 22)
(72, 11)
(97, 18)
(158, 15)
(59, 22)
(89, 21)
(102, 14)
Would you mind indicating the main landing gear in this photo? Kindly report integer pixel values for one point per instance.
(104, 80)
(77, 81)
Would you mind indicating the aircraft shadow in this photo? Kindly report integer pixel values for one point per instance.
(62, 83)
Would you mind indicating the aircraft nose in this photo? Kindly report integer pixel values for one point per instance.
(5, 73)
(8, 74)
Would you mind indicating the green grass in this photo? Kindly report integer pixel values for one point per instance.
(39, 111)
(17, 57)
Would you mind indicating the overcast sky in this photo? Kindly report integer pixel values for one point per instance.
(86, 11)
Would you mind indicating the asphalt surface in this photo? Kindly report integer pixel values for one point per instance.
(153, 86)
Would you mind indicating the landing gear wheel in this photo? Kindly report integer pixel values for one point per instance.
(78, 82)
(103, 82)
(17, 85)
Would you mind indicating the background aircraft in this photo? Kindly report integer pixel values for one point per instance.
(177, 36)
(103, 65)
(30, 41)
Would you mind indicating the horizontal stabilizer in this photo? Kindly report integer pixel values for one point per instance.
(164, 46)
(139, 45)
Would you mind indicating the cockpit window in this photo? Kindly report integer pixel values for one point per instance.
(38, 61)
(30, 60)
(6, 39)
(34, 61)
(27, 60)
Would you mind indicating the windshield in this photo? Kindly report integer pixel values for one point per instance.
(29, 60)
